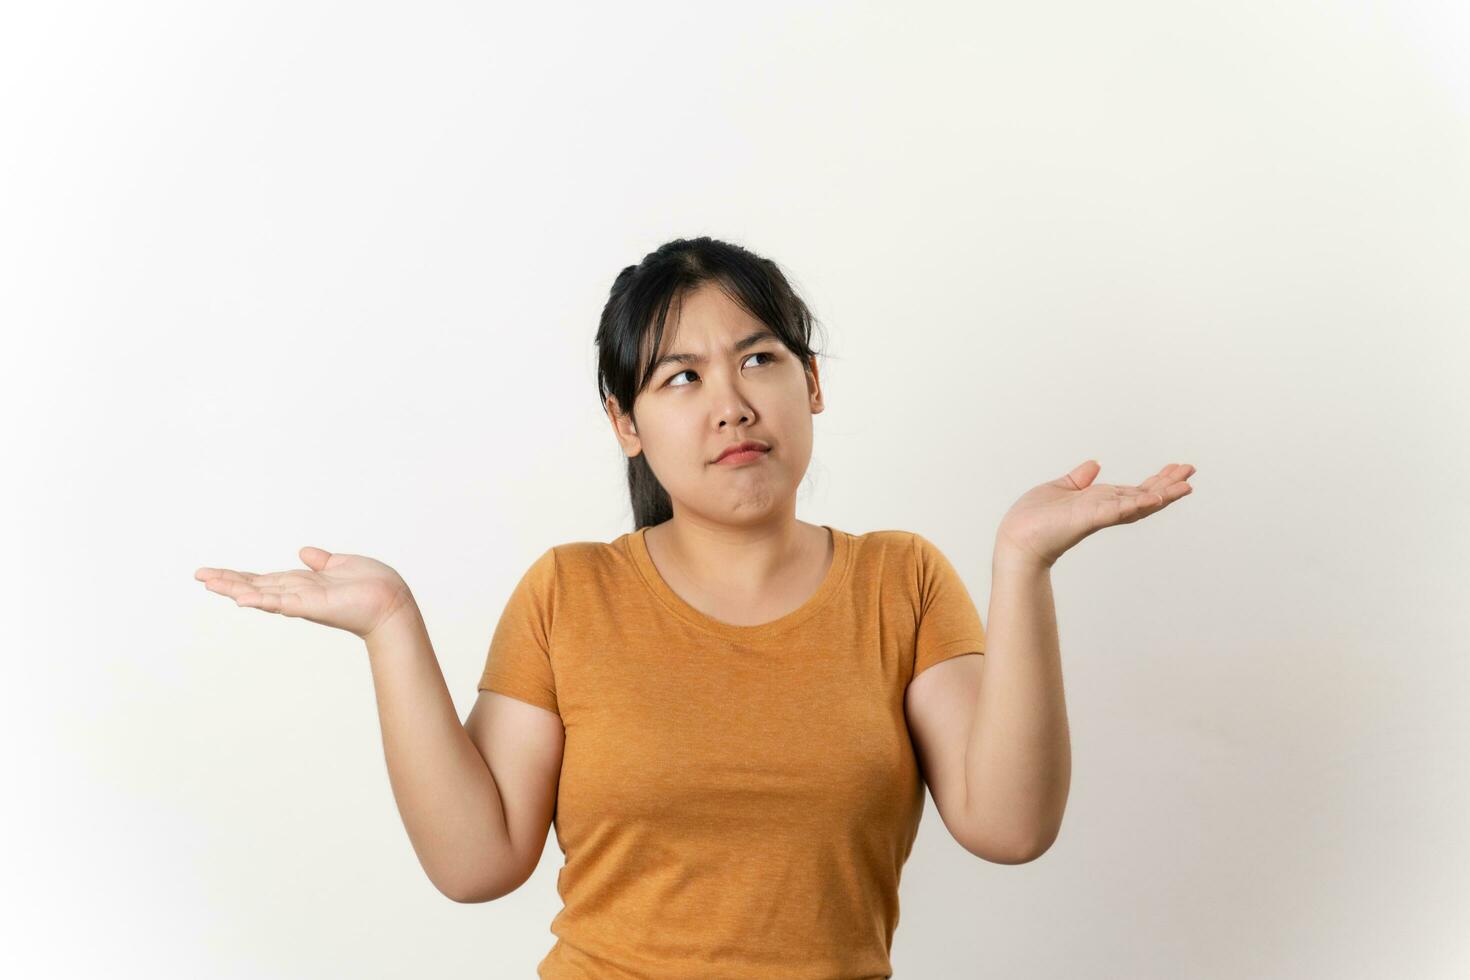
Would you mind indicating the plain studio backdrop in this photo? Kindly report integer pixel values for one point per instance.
(306, 273)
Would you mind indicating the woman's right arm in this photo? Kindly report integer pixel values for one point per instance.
(476, 798)
(443, 782)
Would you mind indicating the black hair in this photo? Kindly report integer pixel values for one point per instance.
(638, 305)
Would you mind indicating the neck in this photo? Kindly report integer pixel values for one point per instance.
(745, 560)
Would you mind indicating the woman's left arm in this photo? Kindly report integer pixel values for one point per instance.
(1018, 759)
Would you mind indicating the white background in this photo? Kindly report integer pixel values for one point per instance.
(279, 274)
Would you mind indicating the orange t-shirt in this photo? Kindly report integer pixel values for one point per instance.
(735, 801)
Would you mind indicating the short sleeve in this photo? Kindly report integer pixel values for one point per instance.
(949, 623)
(518, 663)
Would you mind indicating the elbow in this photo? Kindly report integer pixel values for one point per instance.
(1029, 854)
(480, 892)
(472, 898)
(997, 851)
(482, 896)
(459, 896)
(1009, 851)
(1026, 855)
(1006, 855)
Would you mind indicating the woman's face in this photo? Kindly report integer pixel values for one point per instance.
(739, 382)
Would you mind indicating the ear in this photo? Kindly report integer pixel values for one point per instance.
(623, 428)
(814, 386)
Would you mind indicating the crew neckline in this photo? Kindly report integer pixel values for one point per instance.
(836, 575)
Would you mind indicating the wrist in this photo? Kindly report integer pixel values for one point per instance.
(1013, 558)
(401, 623)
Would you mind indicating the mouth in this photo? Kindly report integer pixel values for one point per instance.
(743, 452)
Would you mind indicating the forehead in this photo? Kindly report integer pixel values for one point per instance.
(701, 321)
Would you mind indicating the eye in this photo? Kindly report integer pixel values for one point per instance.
(760, 353)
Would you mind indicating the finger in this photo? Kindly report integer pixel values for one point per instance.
(236, 588)
(272, 600)
(227, 586)
(315, 558)
(1120, 507)
(1162, 478)
(1075, 479)
(1161, 495)
(1132, 503)
(205, 574)
(230, 575)
(293, 576)
(1136, 506)
(1136, 496)
(1170, 475)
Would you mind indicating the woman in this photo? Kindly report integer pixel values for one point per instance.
(729, 714)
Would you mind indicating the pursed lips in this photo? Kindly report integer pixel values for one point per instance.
(747, 449)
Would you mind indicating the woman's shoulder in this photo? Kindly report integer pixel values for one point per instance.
(899, 549)
(884, 539)
(886, 535)
(581, 556)
(884, 551)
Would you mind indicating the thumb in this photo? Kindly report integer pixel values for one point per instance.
(314, 558)
(1082, 476)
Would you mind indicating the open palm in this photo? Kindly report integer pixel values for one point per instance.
(1049, 519)
(348, 592)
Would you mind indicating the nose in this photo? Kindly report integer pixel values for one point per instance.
(733, 408)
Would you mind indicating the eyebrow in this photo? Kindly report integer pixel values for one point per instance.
(739, 345)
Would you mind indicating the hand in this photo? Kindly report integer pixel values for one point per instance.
(1053, 517)
(350, 592)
